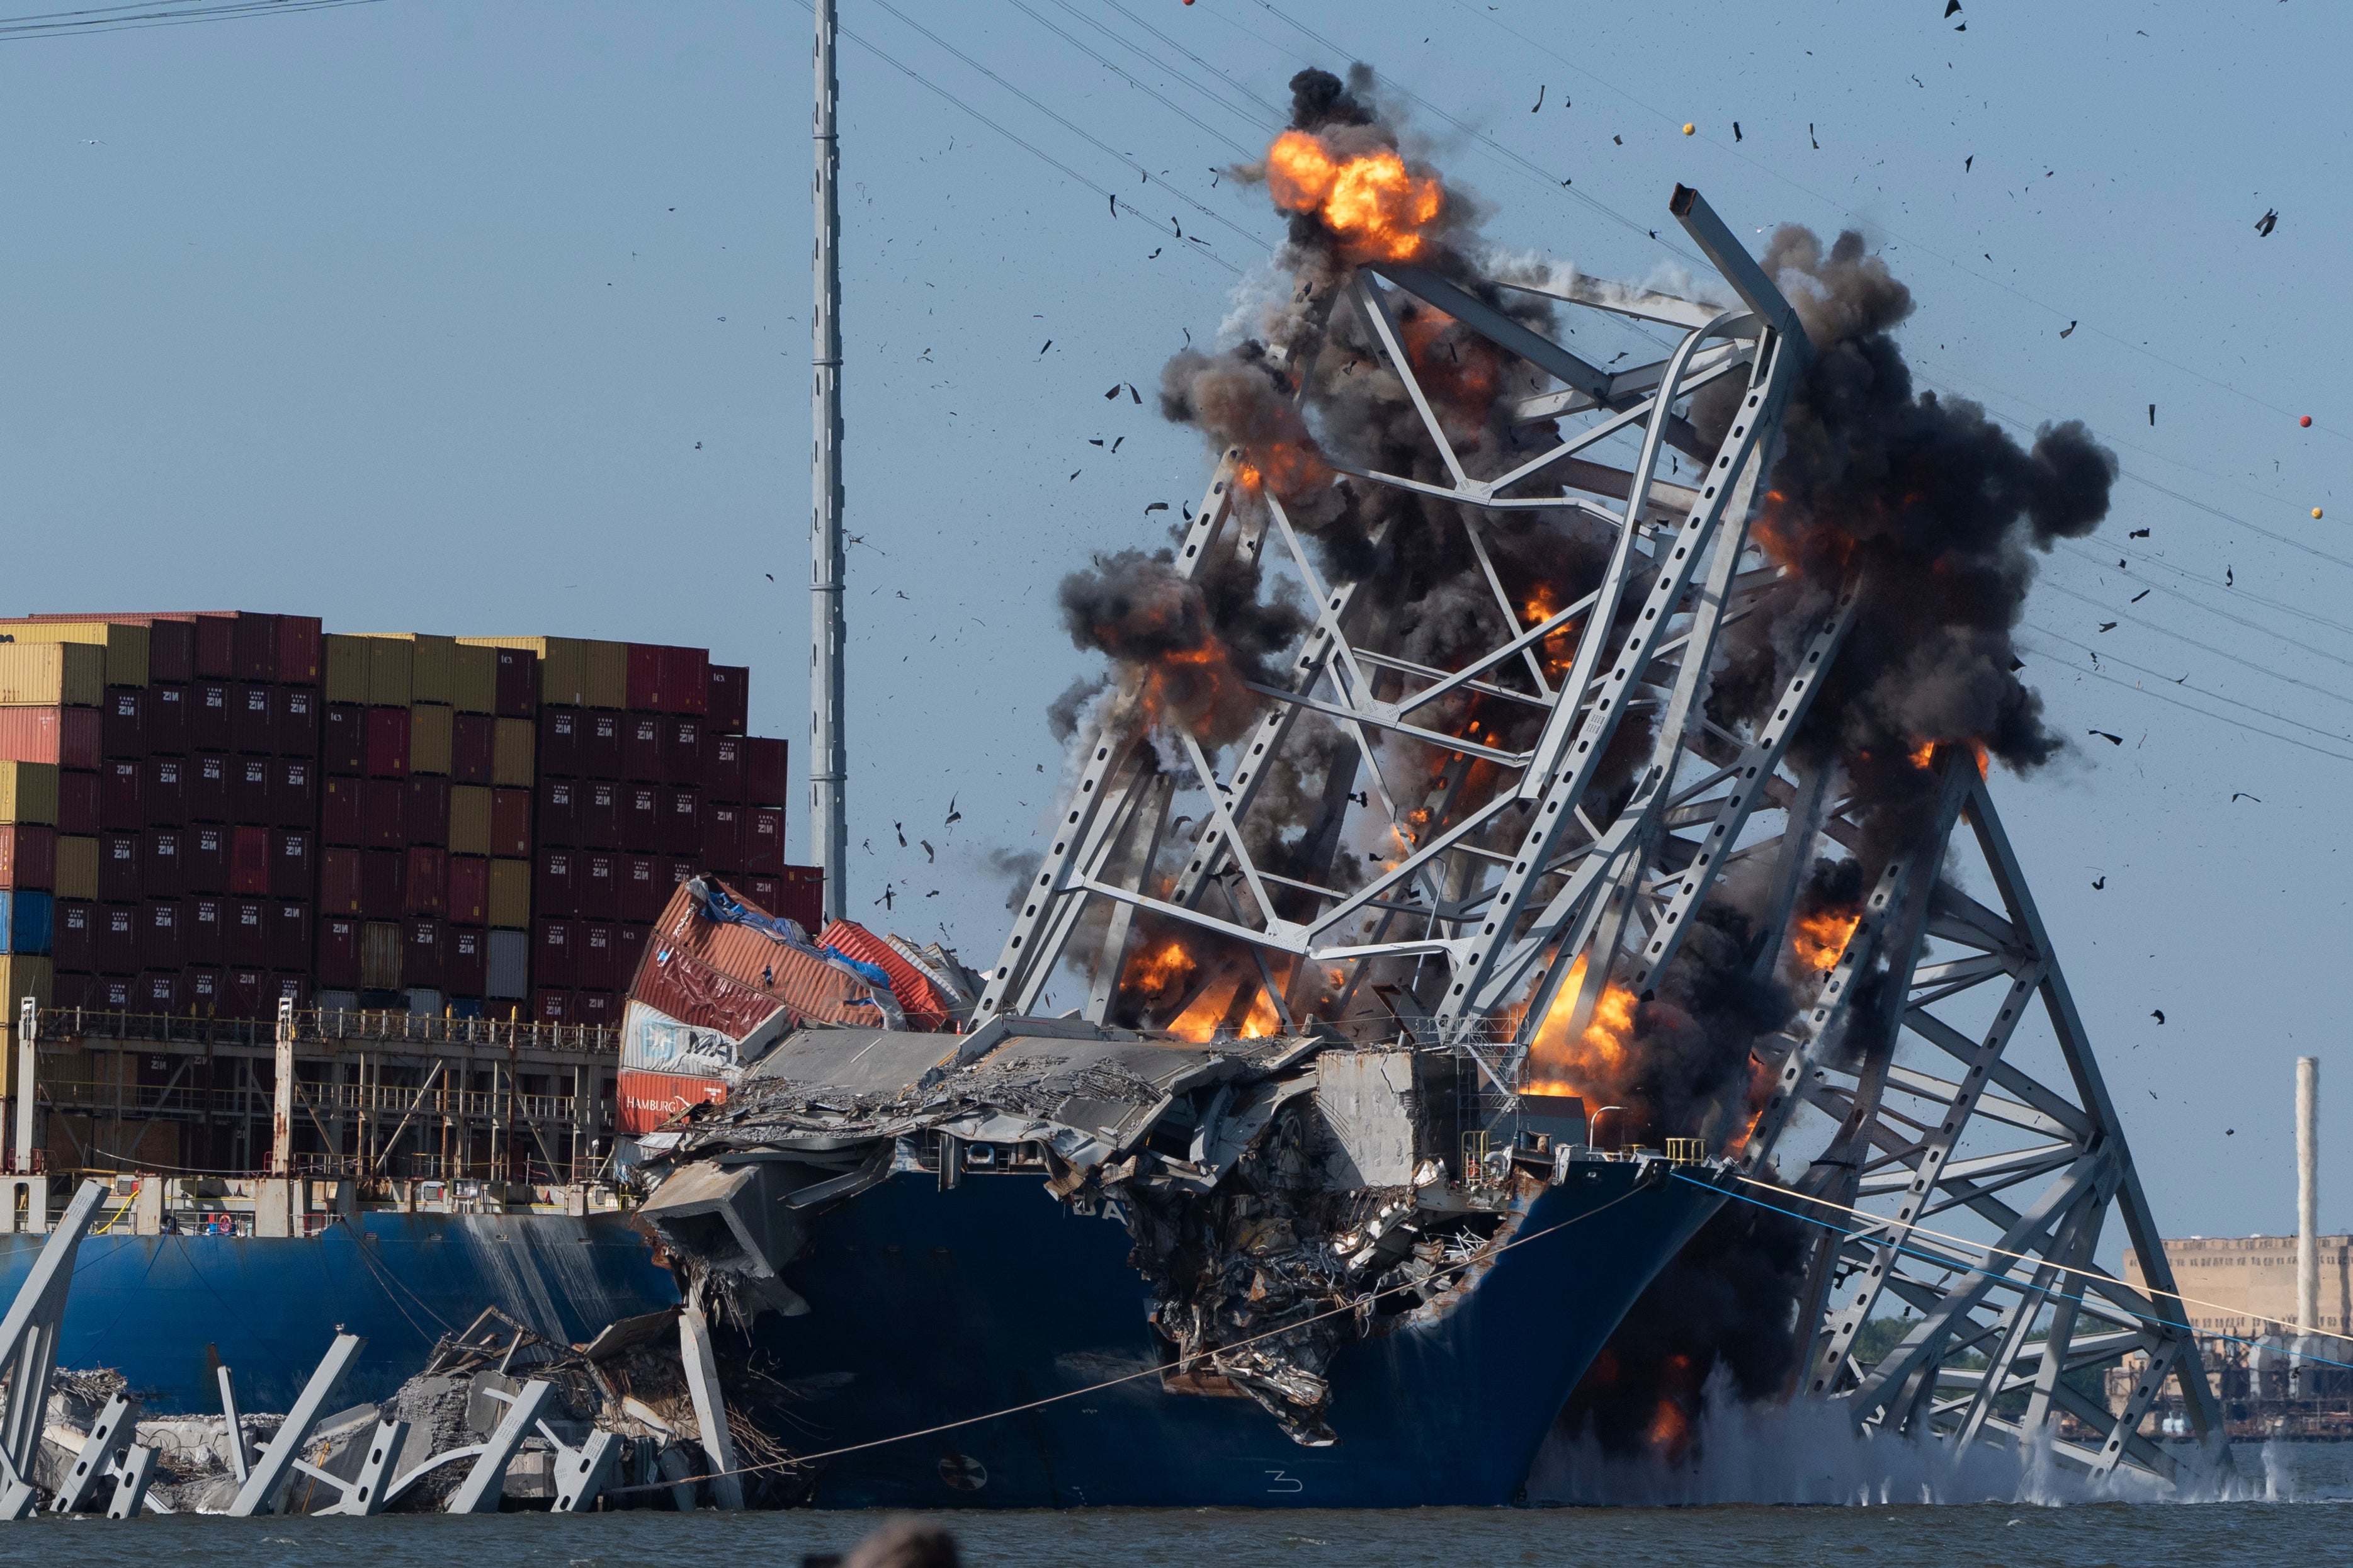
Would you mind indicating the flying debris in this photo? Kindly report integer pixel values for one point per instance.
(1539, 102)
(2111, 740)
(2228, 581)
(2152, 413)
(1951, 8)
(2242, 794)
(2100, 885)
(900, 829)
(954, 814)
(2108, 626)
(1735, 130)
(888, 894)
(1155, 506)
(2068, 331)
(2268, 222)
(1810, 137)
(2137, 534)
(931, 856)
(1967, 161)
(2158, 1014)
(1048, 343)
(2143, 593)
(1114, 391)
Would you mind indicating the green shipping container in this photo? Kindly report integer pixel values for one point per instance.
(511, 893)
(28, 795)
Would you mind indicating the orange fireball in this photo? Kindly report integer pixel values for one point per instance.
(1373, 202)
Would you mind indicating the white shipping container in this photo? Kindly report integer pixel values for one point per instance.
(509, 965)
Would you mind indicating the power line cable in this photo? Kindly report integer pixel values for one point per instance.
(1132, 80)
(2098, 673)
(2146, 558)
(1259, 119)
(2236, 620)
(135, 18)
(2209, 647)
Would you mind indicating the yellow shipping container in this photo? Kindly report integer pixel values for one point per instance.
(46, 674)
(125, 646)
(608, 675)
(469, 819)
(573, 671)
(428, 738)
(28, 793)
(391, 672)
(473, 679)
(511, 893)
(431, 672)
(346, 672)
(77, 867)
(512, 754)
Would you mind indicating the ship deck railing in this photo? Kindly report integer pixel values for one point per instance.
(330, 1028)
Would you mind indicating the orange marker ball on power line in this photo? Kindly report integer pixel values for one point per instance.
(2305, 421)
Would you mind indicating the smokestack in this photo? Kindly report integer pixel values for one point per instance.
(829, 760)
(2307, 1195)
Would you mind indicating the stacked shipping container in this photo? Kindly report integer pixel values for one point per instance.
(204, 812)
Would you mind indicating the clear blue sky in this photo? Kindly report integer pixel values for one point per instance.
(473, 317)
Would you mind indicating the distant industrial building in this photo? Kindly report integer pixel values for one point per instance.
(2245, 1287)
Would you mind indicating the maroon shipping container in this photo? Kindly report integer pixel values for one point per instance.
(74, 935)
(112, 993)
(122, 729)
(596, 807)
(201, 989)
(554, 947)
(681, 754)
(510, 823)
(429, 809)
(171, 642)
(117, 938)
(678, 871)
(729, 708)
(204, 857)
(293, 871)
(249, 727)
(208, 709)
(342, 738)
(206, 776)
(387, 742)
(767, 767)
(298, 650)
(342, 812)
(800, 895)
(28, 858)
(559, 741)
(686, 680)
(559, 817)
(641, 818)
(168, 725)
(517, 694)
(163, 868)
(256, 644)
(644, 890)
(77, 801)
(215, 645)
(288, 987)
(552, 1006)
(382, 874)
(294, 721)
(166, 789)
(631, 937)
(118, 865)
(764, 841)
(645, 678)
(122, 793)
(465, 961)
(62, 737)
(597, 882)
(600, 744)
(722, 768)
(426, 893)
(723, 838)
(159, 935)
(597, 964)
(468, 898)
(338, 963)
(158, 992)
(244, 992)
(294, 792)
(553, 889)
(248, 790)
(339, 880)
(473, 739)
(385, 814)
(596, 1009)
(205, 932)
(424, 952)
(290, 933)
(641, 739)
(248, 930)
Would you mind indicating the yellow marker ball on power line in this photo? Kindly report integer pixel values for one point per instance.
(1689, 129)
(2315, 511)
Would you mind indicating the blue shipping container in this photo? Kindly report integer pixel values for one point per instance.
(25, 920)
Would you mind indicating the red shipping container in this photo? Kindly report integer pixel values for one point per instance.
(597, 964)
(159, 935)
(764, 841)
(168, 725)
(596, 880)
(382, 874)
(248, 790)
(642, 736)
(122, 731)
(429, 809)
(645, 887)
(201, 990)
(342, 738)
(631, 937)
(117, 938)
(596, 1009)
(62, 737)
(342, 812)
(553, 952)
(722, 768)
(244, 992)
(469, 901)
(517, 694)
(251, 730)
(553, 890)
(70, 989)
(339, 880)
(28, 858)
(386, 813)
(257, 645)
(171, 647)
(767, 767)
(163, 869)
(681, 758)
(424, 954)
(686, 680)
(206, 930)
(645, 678)
(559, 741)
(600, 744)
(426, 893)
(77, 801)
(215, 645)
(290, 933)
(723, 838)
(118, 865)
(209, 729)
(158, 992)
(730, 705)
(121, 793)
(166, 789)
(472, 740)
(511, 824)
(465, 961)
(800, 895)
(641, 819)
(204, 856)
(249, 931)
(597, 804)
(294, 792)
(559, 820)
(552, 1006)
(338, 963)
(74, 935)
(293, 872)
(294, 719)
(387, 742)
(293, 987)
(298, 650)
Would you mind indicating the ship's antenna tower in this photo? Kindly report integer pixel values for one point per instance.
(828, 761)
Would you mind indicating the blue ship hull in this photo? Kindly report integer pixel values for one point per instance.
(149, 1305)
(941, 1306)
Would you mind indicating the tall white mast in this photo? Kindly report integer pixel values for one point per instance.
(829, 760)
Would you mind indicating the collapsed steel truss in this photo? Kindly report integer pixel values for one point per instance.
(1494, 903)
